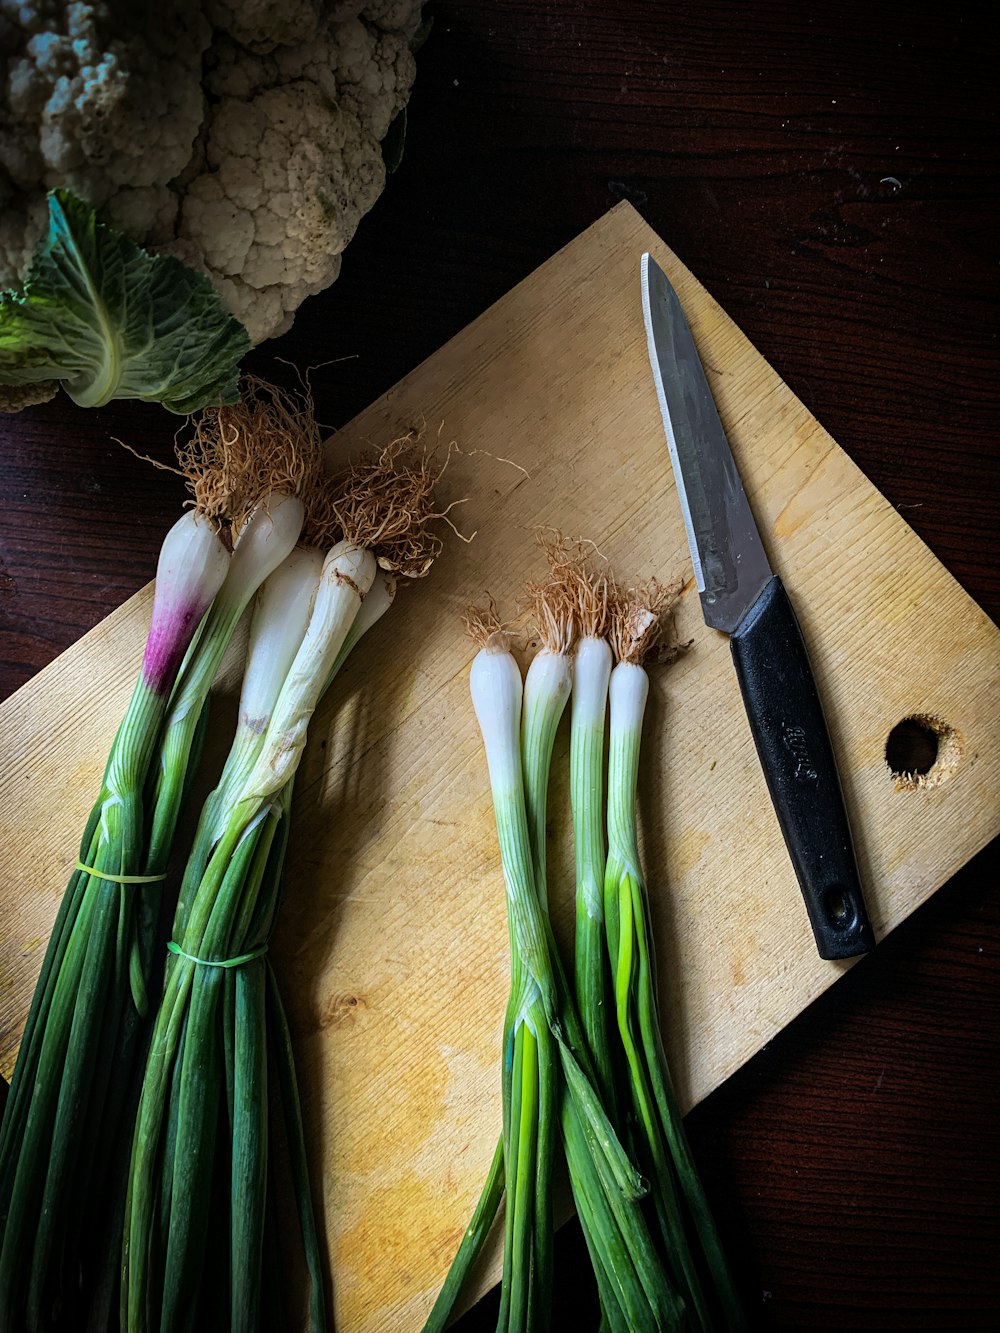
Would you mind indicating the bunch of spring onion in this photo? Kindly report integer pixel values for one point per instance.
(200, 1232)
(635, 1291)
(270, 447)
(643, 1255)
(634, 1050)
(614, 965)
(550, 1087)
(73, 1089)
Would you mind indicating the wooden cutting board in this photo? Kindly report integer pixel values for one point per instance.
(392, 947)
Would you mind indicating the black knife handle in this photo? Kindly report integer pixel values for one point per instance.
(787, 722)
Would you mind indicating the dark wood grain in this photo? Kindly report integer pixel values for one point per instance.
(829, 172)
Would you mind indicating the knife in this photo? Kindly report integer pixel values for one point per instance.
(742, 596)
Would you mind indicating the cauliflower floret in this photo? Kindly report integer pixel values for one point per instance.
(16, 397)
(261, 25)
(392, 15)
(240, 135)
(97, 102)
(22, 221)
(293, 174)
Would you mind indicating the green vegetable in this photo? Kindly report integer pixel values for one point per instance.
(472, 1244)
(548, 1080)
(533, 1100)
(591, 672)
(692, 1247)
(67, 1125)
(86, 1024)
(108, 320)
(636, 1294)
(656, 1255)
(198, 1248)
(240, 136)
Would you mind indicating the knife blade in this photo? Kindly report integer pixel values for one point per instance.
(742, 596)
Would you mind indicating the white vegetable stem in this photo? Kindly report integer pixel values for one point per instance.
(591, 674)
(495, 683)
(379, 597)
(348, 573)
(191, 568)
(190, 571)
(546, 691)
(628, 694)
(267, 537)
(280, 618)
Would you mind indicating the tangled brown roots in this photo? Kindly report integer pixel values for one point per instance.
(641, 625)
(385, 502)
(268, 442)
(551, 601)
(485, 628)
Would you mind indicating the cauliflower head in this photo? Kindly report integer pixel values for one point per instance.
(241, 136)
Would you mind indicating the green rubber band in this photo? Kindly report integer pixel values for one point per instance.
(117, 879)
(174, 947)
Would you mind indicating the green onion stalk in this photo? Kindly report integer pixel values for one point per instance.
(534, 1098)
(199, 1235)
(591, 674)
(272, 458)
(64, 1139)
(634, 1289)
(207, 1063)
(269, 447)
(529, 1067)
(691, 1243)
(92, 993)
(545, 1066)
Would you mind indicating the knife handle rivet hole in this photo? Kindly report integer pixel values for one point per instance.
(838, 909)
(921, 751)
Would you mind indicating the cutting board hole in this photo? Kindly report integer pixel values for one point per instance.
(922, 751)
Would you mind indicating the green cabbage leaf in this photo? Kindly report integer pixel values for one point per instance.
(108, 320)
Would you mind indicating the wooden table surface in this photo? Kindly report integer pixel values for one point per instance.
(829, 172)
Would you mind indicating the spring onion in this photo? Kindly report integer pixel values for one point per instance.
(591, 674)
(219, 1091)
(634, 1290)
(65, 1130)
(91, 997)
(682, 1210)
(547, 1077)
(657, 1259)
